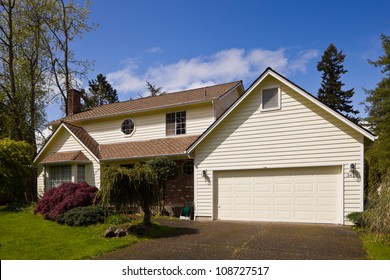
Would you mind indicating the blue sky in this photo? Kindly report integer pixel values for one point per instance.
(181, 44)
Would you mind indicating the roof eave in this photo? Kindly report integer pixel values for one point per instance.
(142, 157)
(270, 71)
(134, 112)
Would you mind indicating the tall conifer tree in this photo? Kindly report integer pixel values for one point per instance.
(100, 92)
(331, 92)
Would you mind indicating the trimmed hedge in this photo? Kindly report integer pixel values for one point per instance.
(57, 201)
(82, 216)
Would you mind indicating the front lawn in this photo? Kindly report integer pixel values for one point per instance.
(25, 236)
(377, 245)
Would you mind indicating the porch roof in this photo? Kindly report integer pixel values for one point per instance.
(61, 157)
(150, 148)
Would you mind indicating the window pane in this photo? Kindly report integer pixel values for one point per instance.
(170, 124)
(80, 173)
(176, 123)
(127, 126)
(270, 98)
(59, 175)
(188, 167)
(181, 122)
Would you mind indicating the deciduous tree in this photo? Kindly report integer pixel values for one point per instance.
(123, 187)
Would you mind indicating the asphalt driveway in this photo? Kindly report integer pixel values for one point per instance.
(193, 240)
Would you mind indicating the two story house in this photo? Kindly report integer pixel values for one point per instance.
(132, 131)
(272, 152)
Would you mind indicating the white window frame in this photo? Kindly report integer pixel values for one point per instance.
(176, 124)
(120, 128)
(279, 98)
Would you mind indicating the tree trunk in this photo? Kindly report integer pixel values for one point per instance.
(147, 214)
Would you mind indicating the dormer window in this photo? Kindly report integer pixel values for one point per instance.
(270, 99)
(127, 127)
(175, 123)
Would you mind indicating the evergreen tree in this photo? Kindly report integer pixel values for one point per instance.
(331, 92)
(378, 109)
(100, 93)
(154, 90)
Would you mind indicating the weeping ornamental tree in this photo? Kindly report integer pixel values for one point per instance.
(123, 187)
(165, 169)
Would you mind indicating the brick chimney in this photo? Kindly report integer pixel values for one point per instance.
(74, 102)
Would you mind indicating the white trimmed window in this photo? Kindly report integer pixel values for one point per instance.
(59, 174)
(127, 127)
(270, 99)
(80, 173)
(175, 123)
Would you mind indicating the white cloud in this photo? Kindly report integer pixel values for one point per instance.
(154, 50)
(221, 67)
(303, 58)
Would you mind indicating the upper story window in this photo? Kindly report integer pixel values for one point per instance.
(176, 123)
(128, 126)
(270, 99)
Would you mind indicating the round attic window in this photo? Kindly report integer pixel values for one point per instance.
(128, 126)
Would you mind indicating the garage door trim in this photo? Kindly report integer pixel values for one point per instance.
(339, 175)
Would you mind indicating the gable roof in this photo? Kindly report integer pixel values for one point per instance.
(172, 146)
(74, 156)
(85, 138)
(186, 97)
(79, 134)
(270, 72)
(148, 148)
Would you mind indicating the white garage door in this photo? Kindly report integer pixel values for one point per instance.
(310, 195)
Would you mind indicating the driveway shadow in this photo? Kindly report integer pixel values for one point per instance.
(194, 240)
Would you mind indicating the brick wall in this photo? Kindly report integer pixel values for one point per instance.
(180, 190)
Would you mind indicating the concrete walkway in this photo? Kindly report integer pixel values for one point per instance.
(192, 240)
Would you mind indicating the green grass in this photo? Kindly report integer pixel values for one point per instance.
(24, 236)
(377, 245)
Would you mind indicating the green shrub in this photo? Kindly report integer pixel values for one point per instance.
(356, 218)
(83, 216)
(57, 201)
(15, 169)
(377, 215)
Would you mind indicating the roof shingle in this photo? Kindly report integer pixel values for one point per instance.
(149, 148)
(84, 137)
(65, 157)
(186, 97)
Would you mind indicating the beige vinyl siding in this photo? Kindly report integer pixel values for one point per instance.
(65, 142)
(150, 125)
(300, 134)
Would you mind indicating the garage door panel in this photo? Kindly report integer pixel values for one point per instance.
(291, 195)
(304, 187)
(282, 216)
(304, 216)
(304, 202)
(282, 188)
(259, 188)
